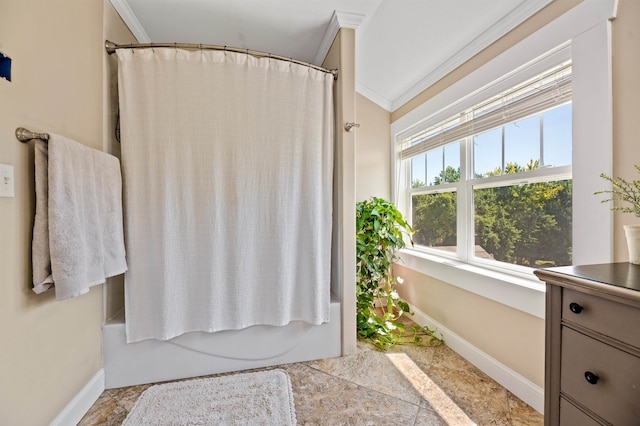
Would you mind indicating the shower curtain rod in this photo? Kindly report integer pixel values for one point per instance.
(111, 47)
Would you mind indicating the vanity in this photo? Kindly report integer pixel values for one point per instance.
(592, 365)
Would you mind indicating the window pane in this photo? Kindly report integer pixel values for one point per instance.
(528, 225)
(433, 217)
(557, 136)
(434, 165)
(451, 163)
(487, 153)
(418, 171)
(522, 144)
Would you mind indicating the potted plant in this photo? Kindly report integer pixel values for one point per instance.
(628, 192)
(381, 231)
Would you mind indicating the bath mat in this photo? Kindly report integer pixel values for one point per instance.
(260, 398)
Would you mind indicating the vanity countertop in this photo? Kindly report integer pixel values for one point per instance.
(621, 279)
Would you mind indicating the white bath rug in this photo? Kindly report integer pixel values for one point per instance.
(261, 398)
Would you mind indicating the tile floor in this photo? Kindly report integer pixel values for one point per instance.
(405, 386)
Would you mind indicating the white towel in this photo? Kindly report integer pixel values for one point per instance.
(77, 235)
(41, 259)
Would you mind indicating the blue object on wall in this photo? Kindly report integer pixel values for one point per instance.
(5, 67)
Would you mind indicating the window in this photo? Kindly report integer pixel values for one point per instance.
(573, 38)
(493, 184)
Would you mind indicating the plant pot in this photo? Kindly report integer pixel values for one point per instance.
(632, 232)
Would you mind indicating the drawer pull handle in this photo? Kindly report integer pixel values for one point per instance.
(575, 308)
(591, 377)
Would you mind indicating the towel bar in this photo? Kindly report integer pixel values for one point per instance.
(25, 135)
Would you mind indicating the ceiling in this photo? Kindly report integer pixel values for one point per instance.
(402, 46)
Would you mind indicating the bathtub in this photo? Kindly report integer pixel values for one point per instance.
(199, 353)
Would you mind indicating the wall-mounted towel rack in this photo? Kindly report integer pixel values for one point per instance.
(25, 135)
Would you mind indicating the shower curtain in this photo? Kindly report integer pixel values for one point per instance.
(227, 171)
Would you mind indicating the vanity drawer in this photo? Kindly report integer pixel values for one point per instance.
(570, 415)
(615, 393)
(604, 316)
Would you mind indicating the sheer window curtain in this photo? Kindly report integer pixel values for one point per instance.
(227, 168)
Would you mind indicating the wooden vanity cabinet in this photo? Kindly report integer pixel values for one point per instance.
(592, 365)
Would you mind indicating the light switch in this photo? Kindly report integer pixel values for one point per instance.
(6, 181)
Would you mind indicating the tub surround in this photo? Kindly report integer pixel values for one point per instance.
(198, 354)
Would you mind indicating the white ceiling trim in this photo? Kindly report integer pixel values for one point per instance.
(129, 18)
(338, 20)
(488, 37)
(373, 96)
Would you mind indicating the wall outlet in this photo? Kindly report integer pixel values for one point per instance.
(6, 181)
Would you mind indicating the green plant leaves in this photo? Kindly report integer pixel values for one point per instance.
(623, 190)
(380, 233)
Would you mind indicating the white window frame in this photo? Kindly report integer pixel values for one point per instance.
(464, 190)
(583, 35)
(534, 176)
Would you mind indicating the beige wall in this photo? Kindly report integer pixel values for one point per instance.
(50, 349)
(626, 108)
(373, 151)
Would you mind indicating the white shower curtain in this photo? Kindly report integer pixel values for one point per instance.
(227, 165)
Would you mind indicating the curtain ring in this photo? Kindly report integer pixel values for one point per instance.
(225, 51)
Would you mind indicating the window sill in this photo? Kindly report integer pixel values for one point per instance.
(522, 293)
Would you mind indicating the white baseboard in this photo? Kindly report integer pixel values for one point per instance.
(82, 402)
(517, 384)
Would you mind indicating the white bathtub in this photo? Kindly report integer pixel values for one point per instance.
(198, 354)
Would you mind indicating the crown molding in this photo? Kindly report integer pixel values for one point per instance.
(373, 96)
(338, 20)
(131, 20)
(348, 19)
(511, 20)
